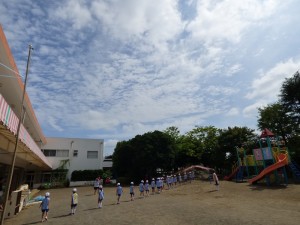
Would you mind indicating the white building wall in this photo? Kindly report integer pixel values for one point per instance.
(81, 162)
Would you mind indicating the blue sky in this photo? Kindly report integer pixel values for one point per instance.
(113, 69)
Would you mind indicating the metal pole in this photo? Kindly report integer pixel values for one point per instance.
(21, 117)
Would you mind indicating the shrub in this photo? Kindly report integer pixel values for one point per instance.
(125, 181)
(86, 175)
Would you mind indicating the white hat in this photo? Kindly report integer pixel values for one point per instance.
(118, 184)
(47, 194)
(131, 182)
(74, 190)
(152, 178)
(142, 181)
(146, 181)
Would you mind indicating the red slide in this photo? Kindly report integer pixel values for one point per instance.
(282, 161)
(232, 174)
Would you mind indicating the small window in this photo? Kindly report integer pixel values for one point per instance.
(49, 153)
(75, 153)
(92, 154)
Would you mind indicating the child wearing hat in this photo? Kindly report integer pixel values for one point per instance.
(74, 201)
(142, 188)
(131, 191)
(147, 188)
(45, 206)
(119, 192)
(153, 186)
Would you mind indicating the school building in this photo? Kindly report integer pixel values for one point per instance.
(36, 155)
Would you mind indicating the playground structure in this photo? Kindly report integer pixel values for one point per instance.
(207, 169)
(266, 162)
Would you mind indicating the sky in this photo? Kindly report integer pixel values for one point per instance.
(113, 69)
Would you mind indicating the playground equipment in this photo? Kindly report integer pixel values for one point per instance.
(282, 160)
(196, 167)
(295, 168)
(266, 162)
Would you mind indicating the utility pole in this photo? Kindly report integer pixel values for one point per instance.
(21, 118)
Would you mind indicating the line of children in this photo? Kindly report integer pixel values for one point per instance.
(170, 180)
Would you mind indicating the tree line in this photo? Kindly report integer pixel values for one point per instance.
(164, 151)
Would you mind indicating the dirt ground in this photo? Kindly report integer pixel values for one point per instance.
(196, 203)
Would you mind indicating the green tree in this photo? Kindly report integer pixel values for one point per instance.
(202, 144)
(173, 132)
(290, 97)
(275, 118)
(141, 156)
(231, 138)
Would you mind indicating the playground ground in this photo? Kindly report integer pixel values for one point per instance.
(196, 203)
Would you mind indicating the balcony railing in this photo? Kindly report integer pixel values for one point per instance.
(10, 120)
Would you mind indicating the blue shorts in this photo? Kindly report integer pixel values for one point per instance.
(45, 210)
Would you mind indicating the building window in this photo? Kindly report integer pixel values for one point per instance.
(62, 153)
(75, 153)
(92, 154)
(49, 152)
(56, 153)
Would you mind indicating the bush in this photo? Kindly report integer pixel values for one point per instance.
(125, 181)
(86, 175)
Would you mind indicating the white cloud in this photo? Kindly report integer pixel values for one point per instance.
(139, 20)
(251, 110)
(268, 85)
(227, 20)
(233, 112)
(74, 11)
(233, 70)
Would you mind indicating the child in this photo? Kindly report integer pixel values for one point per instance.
(153, 185)
(100, 196)
(216, 180)
(119, 192)
(45, 206)
(131, 191)
(142, 188)
(185, 177)
(179, 178)
(74, 201)
(96, 185)
(147, 188)
(158, 185)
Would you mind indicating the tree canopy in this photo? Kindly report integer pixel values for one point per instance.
(141, 156)
(290, 96)
(275, 117)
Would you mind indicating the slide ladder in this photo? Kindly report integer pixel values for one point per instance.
(295, 169)
(235, 169)
(281, 162)
(240, 174)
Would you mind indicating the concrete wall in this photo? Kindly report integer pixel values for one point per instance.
(81, 162)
